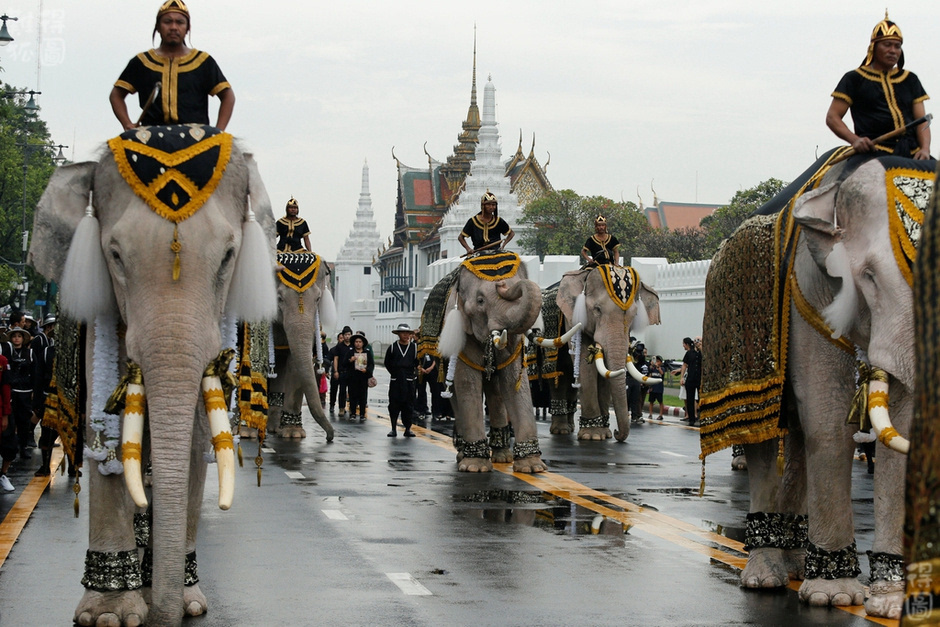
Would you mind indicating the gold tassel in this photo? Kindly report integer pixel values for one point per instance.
(858, 412)
(176, 247)
(76, 488)
(115, 404)
(701, 485)
(301, 300)
(781, 461)
(241, 459)
(259, 459)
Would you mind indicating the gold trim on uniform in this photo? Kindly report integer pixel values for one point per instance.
(170, 69)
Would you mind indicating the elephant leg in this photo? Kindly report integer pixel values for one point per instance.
(887, 575)
(473, 452)
(766, 562)
(563, 394)
(291, 425)
(499, 438)
(275, 402)
(595, 412)
(112, 577)
(194, 601)
(831, 575)
(517, 400)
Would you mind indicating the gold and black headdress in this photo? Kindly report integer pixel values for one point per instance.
(292, 203)
(173, 6)
(885, 30)
(600, 220)
(488, 197)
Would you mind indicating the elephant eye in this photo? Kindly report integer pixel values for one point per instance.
(869, 274)
(481, 300)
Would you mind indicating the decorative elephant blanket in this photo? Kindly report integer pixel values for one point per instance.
(174, 169)
(922, 518)
(432, 317)
(621, 283)
(542, 363)
(493, 266)
(744, 356)
(298, 271)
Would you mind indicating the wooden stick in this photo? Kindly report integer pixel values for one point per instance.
(476, 250)
(895, 133)
(153, 96)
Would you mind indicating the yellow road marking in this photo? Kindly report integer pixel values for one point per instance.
(19, 514)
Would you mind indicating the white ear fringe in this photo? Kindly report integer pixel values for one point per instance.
(580, 311)
(252, 296)
(86, 282)
(840, 314)
(642, 319)
(453, 336)
(539, 323)
(327, 310)
(861, 437)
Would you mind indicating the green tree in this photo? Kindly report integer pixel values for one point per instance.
(563, 221)
(722, 223)
(24, 150)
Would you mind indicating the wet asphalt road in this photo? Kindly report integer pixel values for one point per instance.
(371, 530)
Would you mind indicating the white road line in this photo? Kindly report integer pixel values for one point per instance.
(265, 449)
(334, 514)
(293, 474)
(673, 454)
(408, 584)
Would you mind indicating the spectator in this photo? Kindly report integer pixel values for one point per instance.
(340, 356)
(401, 359)
(656, 391)
(359, 370)
(22, 378)
(7, 428)
(45, 358)
(691, 375)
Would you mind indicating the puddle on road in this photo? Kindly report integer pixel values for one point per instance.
(537, 509)
(728, 531)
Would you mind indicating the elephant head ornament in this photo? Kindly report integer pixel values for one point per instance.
(180, 228)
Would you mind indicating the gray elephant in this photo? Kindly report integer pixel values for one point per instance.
(606, 300)
(179, 231)
(305, 305)
(490, 306)
(782, 336)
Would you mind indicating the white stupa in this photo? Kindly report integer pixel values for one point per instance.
(487, 173)
(354, 278)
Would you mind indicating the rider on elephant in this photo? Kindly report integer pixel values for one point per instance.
(291, 229)
(187, 78)
(602, 247)
(486, 228)
(883, 97)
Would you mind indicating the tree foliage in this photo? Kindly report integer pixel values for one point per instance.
(24, 148)
(563, 221)
(721, 224)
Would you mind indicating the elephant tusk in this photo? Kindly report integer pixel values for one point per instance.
(131, 437)
(222, 440)
(602, 369)
(558, 341)
(639, 376)
(881, 419)
(499, 339)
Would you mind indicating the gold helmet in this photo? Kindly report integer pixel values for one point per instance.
(488, 197)
(885, 30)
(292, 203)
(172, 6)
(600, 220)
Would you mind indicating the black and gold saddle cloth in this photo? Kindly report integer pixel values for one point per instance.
(493, 267)
(174, 168)
(298, 271)
(621, 283)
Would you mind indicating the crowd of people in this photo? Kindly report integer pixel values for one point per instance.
(27, 350)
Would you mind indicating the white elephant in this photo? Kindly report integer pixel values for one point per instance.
(305, 305)
(179, 231)
(490, 307)
(607, 301)
(844, 286)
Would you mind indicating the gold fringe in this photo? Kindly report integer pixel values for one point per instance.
(781, 457)
(812, 317)
(479, 368)
(176, 247)
(76, 488)
(502, 260)
(301, 301)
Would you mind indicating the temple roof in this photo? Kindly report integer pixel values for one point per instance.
(677, 215)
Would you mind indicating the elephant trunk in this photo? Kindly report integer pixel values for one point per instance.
(615, 349)
(602, 367)
(511, 291)
(881, 418)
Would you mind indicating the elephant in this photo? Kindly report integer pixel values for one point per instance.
(490, 306)
(177, 237)
(302, 293)
(845, 308)
(613, 298)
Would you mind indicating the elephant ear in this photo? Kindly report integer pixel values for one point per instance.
(571, 286)
(650, 299)
(57, 215)
(816, 213)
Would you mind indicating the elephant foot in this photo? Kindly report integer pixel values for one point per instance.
(766, 568)
(502, 456)
(120, 608)
(560, 426)
(250, 433)
(796, 562)
(475, 464)
(824, 592)
(886, 599)
(594, 433)
(739, 462)
(531, 464)
(291, 431)
(194, 601)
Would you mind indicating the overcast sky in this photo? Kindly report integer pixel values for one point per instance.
(700, 98)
